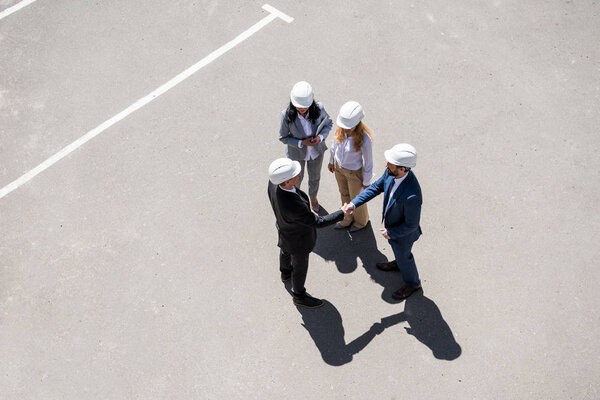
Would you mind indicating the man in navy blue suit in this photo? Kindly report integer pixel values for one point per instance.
(401, 213)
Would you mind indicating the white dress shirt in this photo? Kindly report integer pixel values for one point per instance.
(346, 157)
(292, 190)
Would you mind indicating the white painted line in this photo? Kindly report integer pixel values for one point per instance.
(143, 101)
(15, 8)
(275, 11)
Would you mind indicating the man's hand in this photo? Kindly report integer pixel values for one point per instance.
(384, 233)
(348, 208)
(330, 167)
(315, 140)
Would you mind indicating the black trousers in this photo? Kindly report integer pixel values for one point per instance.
(297, 264)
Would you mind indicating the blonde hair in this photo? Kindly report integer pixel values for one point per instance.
(358, 133)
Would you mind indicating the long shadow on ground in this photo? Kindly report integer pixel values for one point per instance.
(421, 313)
(424, 318)
(345, 249)
(327, 331)
(429, 327)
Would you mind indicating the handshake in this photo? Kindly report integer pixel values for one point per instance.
(347, 208)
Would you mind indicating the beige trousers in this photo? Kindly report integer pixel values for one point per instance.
(350, 184)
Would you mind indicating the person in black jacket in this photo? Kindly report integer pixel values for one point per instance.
(296, 225)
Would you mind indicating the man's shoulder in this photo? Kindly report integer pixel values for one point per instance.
(412, 180)
(291, 203)
(288, 196)
(271, 187)
(413, 189)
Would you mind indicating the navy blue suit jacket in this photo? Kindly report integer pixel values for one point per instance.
(403, 217)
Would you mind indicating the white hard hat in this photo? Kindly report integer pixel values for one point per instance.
(282, 170)
(403, 155)
(350, 115)
(302, 95)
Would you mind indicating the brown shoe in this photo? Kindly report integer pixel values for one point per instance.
(387, 266)
(405, 292)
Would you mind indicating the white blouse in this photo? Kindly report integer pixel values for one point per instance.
(346, 157)
(311, 151)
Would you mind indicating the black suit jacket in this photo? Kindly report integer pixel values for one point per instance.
(296, 223)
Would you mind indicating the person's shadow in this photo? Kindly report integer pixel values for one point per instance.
(345, 249)
(422, 314)
(429, 327)
(327, 331)
(426, 324)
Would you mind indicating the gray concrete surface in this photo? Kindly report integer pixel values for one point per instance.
(144, 264)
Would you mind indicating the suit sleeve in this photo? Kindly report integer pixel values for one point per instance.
(329, 219)
(372, 191)
(412, 215)
(311, 219)
(285, 136)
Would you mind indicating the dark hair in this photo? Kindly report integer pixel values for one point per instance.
(314, 112)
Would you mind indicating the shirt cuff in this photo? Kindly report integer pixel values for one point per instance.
(299, 144)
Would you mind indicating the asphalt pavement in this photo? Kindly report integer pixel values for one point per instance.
(142, 263)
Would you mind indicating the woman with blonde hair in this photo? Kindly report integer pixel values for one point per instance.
(351, 160)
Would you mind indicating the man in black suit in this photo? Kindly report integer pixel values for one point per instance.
(296, 225)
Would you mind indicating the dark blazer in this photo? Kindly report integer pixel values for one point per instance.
(296, 223)
(291, 132)
(403, 216)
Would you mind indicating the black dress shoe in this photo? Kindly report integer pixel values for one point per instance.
(405, 292)
(387, 266)
(307, 301)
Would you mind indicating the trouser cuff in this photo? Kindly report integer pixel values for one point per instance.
(300, 294)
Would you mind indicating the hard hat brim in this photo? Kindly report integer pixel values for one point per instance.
(388, 156)
(341, 123)
(301, 105)
(297, 169)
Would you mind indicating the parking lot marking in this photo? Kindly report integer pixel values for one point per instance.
(273, 14)
(15, 8)
(278, 13)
